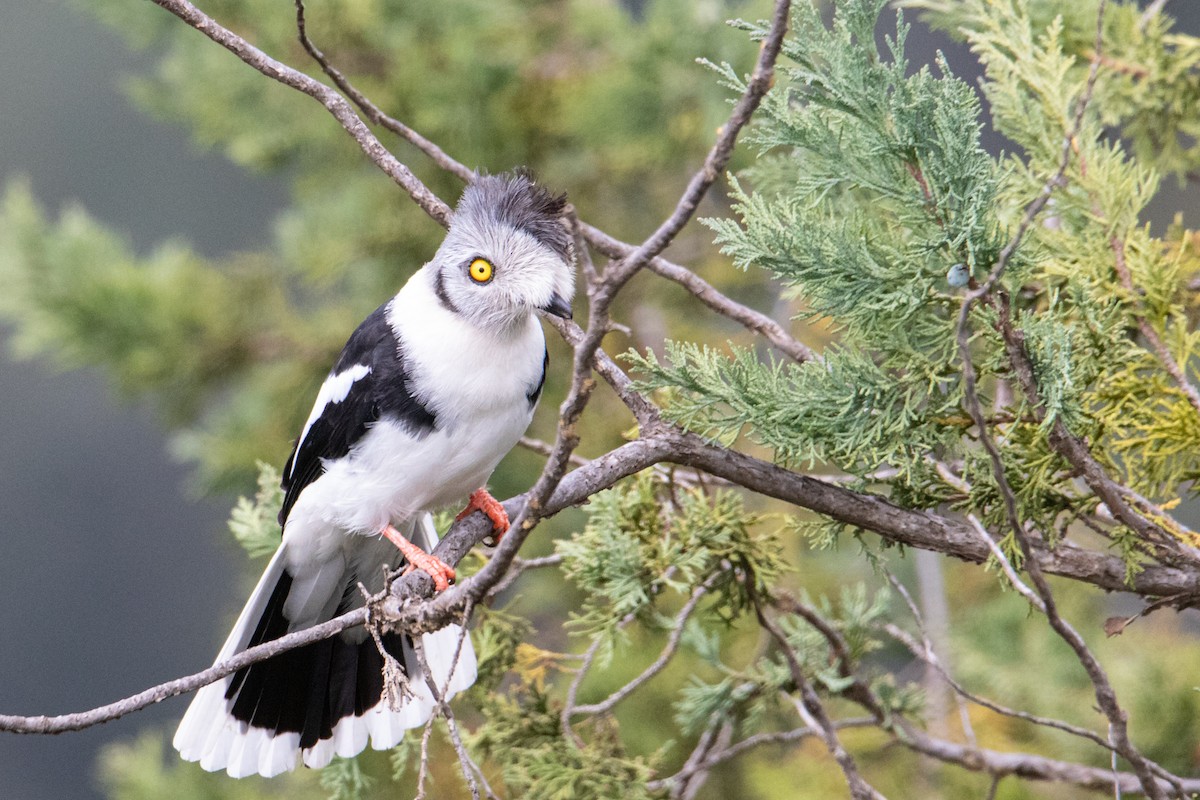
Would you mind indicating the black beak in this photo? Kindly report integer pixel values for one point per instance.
(558, 306)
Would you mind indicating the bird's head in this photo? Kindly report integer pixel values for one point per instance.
(508, 253)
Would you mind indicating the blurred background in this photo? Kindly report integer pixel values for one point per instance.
(117, 570)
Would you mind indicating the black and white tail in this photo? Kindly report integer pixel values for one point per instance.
(321, 700)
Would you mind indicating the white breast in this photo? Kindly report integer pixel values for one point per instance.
(475, 383)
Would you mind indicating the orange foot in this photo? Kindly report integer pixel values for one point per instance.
(481, 500)
(441, 572)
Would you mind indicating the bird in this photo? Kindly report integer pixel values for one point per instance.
(426, 397)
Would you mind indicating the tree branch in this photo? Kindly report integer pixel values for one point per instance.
(706, 293)
(1034, 767)
(373, 112)
(812, 711)
(252, 655)
(331, 100)
(676, 635)
(410, 606)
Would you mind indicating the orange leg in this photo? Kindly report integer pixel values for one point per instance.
(441, 572)
(482, 500)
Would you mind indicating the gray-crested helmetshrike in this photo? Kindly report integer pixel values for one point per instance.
(427, 396)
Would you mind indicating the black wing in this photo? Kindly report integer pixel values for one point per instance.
(381, 392)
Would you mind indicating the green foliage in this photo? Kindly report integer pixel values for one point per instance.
(870, 184)
(255, 523)
(344, 779)
(750, 695)
(496, 638)
(844, 410)
(525, 737)
(1149, 88)
(655, 541)
(78, 288)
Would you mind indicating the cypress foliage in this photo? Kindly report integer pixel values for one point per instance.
(870, 199)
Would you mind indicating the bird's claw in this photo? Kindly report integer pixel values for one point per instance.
(482, 500)
(441, 572)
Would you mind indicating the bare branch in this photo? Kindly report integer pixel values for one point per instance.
(925, 653)
(518, 568)
(573, 690)
(468, 766)
(424, 760)
(1147, 330)
(333, 102)
(718, 157)
(608, 703)
(1152, 10)
(1034, 767)
(809, 706)
(972, 757)
(714, 758)
(752, 320)
(922, 529)
(251, 655)
(931, 655)
(545, 449)
(373, 112)
(1013, 578)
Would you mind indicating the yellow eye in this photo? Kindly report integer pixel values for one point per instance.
(480, 270)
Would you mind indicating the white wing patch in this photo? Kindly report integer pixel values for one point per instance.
(334, 390)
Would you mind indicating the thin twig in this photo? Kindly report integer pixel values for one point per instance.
(606, 705)
(373, 112)
(396, 688)
(792, 736)
(251, 655)
(467, 765)
(688, 788)
(423, 768)
(1147, 330)
(1044, 602)
(330, 99)
(809, 706)
(545, 449)
(585, 665)
(704, 746)
(519, 568)
(1152, 10)
(1034, 767)
(1005, 565)
(564, 718)
(703, 291)
(929, 655)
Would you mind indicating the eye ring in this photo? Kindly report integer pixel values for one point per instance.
(481, 270)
